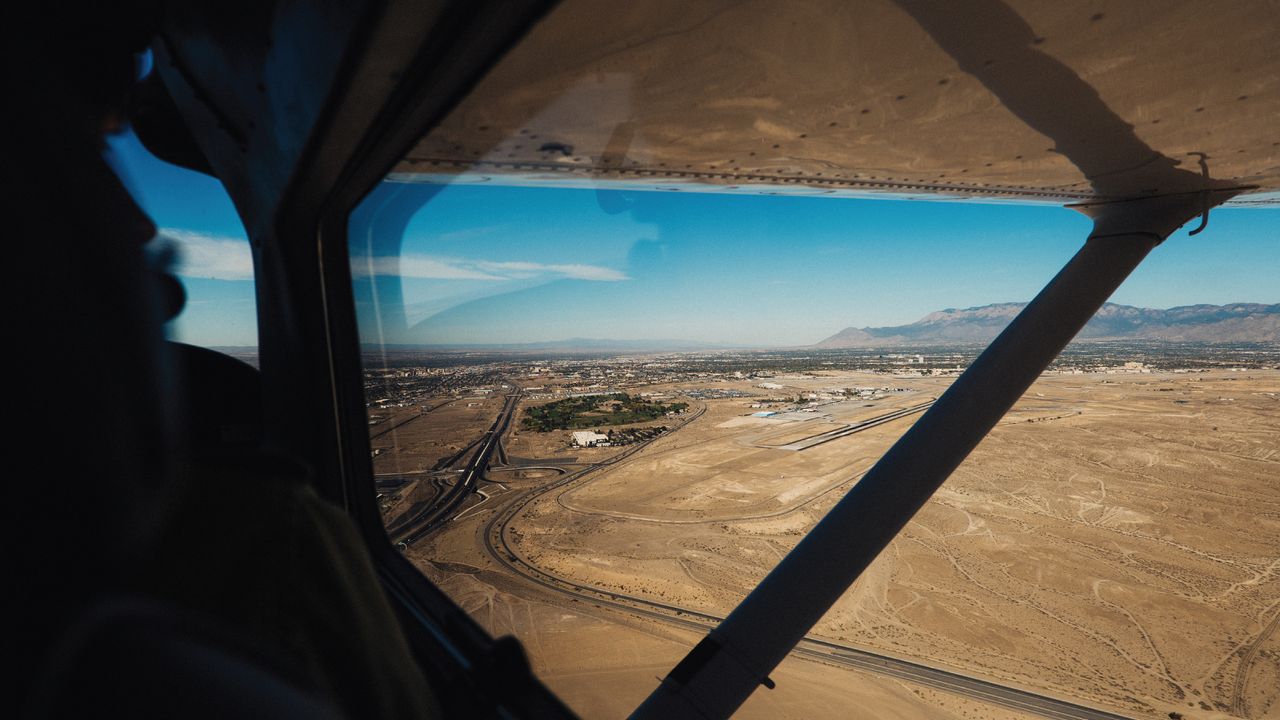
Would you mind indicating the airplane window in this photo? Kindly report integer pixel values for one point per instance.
(202, 243)
(645, 304)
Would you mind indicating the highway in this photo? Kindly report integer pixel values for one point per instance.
(497, 545)
(436, 515)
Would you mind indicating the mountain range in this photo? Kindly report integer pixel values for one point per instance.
(1237, 322)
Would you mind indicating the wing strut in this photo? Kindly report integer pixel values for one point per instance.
(724, 669)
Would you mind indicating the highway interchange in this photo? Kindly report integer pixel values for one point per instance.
(442, 509)
(500, 549)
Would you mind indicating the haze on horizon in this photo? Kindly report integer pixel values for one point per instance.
(507, 265)
(752, 270)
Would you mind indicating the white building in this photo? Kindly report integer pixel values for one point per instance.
(586, 438)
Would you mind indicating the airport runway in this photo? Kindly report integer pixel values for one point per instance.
(857, 427)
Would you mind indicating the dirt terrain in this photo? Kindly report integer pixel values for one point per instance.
(429, 432)
(411, 441)
(1112, 542)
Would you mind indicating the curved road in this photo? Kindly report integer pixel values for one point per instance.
(497, 545)
(439, 513)
(1246, 659)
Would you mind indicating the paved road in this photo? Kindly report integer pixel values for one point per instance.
(499, 548)
(409, 419)
(426, 522)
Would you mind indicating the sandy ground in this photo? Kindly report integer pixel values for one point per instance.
(1114, 541)
(418, 444)
(413, 439)
(603, 665)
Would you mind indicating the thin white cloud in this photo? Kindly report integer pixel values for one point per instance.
(218, 257)
(572, 270)
(203, 255)
(445, 268)
(420, 266)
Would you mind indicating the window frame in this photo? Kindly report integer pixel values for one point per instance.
(395, 100)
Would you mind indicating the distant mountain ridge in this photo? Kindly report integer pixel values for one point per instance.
(1237, 322)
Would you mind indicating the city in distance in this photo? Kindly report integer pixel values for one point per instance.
(1107, 551)
(1232, 323)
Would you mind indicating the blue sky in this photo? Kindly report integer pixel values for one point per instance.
(488, 264)
(762, 270)
(194, 213)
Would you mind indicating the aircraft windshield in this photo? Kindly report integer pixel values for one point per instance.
(633, 320)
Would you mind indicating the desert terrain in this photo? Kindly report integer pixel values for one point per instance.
(411, 444)
(1113, 542)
